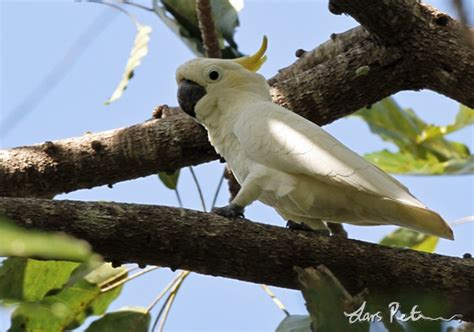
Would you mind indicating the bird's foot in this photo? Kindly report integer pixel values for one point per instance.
(298, 226)
(303, 227)
(231, 211)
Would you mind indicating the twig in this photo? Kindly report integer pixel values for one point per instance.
(113, 278)
(275, 299)
(208, 29)
(126, 2)
(177, 279)
(462, 220)
(164, 291)
(133, 276)
(198, 186)
(218, 189)
(117, 7)
(170, 300)
(178, 197)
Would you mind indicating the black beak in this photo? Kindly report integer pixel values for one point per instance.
(189, 93)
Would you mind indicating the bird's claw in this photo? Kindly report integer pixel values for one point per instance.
(303, 227)
(231, 211)
(297, 226)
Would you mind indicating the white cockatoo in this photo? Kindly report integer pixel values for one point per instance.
(286, 161)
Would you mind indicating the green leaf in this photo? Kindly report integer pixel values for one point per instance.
(391, 123)
(406, 238)
(139, 50)
(103, 275)
(403, 128)
(101, 303)
(29, 280)
(170, 180)
(127, 319)
(295, 323)
(193, 43)
(69, 307)
(20, 242)
(185, 23)
(465, 117)
(422, 149)
(406, 163)
(460, 166)
(327, 300)
(226, 20)
(427, 245)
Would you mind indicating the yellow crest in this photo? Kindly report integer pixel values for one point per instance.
(254, 62)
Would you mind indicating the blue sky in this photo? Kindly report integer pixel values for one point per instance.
(35, 35)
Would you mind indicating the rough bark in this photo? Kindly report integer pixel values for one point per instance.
(433, 45)
(403, 45)
(249, 251)
(105, 158)
(350, 71)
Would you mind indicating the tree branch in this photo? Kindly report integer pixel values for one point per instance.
(433, 45)
(249, 251)
(105, 158)
(351, 70)
(208, 29)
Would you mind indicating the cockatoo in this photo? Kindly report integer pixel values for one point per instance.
(286, 161)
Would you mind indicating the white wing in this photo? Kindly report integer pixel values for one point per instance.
(283, 140)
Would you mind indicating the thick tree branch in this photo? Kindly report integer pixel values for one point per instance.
(433, 45)
(50, 168)
(377, 59)
(399, 16)
(250, 251)
(351, 70)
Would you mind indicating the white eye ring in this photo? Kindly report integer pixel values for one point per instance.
(213, 74)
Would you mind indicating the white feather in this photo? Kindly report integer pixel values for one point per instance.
(290, 143)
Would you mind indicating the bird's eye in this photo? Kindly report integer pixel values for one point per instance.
(213, 74)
